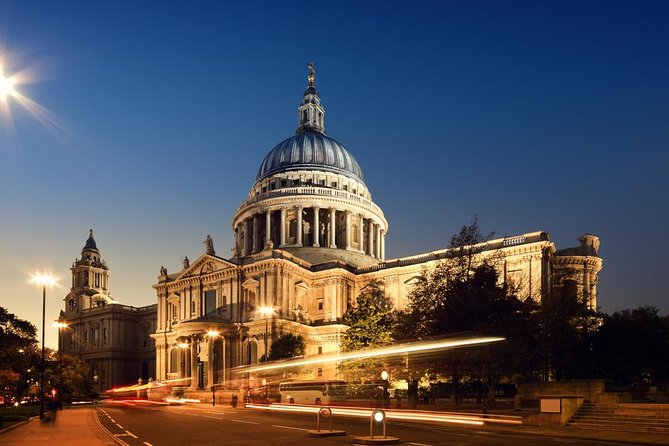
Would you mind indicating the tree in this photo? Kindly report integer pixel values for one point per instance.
(19, 360)
(370, 321)
(287, 346)
(632, 347)
(463, 294)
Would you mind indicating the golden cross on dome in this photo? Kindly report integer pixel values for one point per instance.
(312, 74)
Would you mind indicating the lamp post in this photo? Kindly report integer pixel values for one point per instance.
(61, 326)
(384, 377)
(42, 280)
(267, 312)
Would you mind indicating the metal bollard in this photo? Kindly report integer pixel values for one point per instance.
(326, 413)
(378, 415)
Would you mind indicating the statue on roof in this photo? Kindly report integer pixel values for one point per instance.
(163, 271)
(185, 262)
(209, 245)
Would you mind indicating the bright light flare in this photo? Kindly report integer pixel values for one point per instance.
(266, 311)
(60, 325)
(7, 85)
(412, 347)
(212, 333)
(43, 280)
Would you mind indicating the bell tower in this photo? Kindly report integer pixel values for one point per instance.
(90, 279)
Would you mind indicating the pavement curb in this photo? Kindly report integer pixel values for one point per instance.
(19, 424)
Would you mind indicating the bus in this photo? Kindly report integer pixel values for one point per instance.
(311, 392)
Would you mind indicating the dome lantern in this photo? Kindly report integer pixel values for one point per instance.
(310, 114)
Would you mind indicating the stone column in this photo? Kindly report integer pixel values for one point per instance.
(332, 232)
(348, 230)
(282, 229)
(316, 229)
(383, 245)
(370, 237)
(193, 362)
(378, 242)
(223, 380)
(299, 227)
(361, 233)
(268, 219)
(210, 361)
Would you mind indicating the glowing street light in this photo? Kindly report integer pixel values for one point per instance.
(267, 312)
(42, 280)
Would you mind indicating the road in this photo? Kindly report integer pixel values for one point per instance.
(154, 425)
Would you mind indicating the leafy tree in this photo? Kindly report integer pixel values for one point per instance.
(565, 329)
(287, 345)
(632, 347)
(370, 321)
(19, 360)
(462, 294)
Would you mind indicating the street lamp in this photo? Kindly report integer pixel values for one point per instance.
(267, 312)
(384, 377)
(61, 326)
(42, 280)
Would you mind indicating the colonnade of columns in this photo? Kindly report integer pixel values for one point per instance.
(311, 226)
(188, 360)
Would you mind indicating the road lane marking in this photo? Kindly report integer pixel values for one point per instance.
(147, 443)
(132, 435)
(289, 427)
(209, 416)
(217, 413)
(243, 421)
(420, 444)
(119, 426)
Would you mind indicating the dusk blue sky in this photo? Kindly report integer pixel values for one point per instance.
(534, 115)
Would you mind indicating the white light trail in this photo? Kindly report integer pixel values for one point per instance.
(414, 347)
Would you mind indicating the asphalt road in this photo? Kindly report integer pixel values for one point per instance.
(151, 425)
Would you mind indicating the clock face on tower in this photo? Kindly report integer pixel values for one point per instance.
(71, 304)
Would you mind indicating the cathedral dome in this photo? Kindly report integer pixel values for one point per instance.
(310, 150)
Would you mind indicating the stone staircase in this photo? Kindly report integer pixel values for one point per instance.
(627, 417)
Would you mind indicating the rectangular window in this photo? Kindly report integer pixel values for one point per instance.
(104, 334)
(320, 304)
(320, 350)
(333, 184)
(320, 372)
(209, 301)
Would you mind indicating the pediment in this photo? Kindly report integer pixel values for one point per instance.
(205, 264)
(250, 284)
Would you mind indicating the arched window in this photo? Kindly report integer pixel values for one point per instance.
(173, 360)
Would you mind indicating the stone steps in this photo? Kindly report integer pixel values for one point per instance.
(621, 417)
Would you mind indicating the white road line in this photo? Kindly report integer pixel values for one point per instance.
(131, 434)
(119, 426)
(242, 421)
(147, 443)
(420, 444)
(289, 427)
(209, 416)
(191, 414)
(217, 413)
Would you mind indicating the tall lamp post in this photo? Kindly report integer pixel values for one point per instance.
(42, 280)
(61, 342)
(384, 377)
(267, 312)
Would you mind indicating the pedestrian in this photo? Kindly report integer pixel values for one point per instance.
(53, 409)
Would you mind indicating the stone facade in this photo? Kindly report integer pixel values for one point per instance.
(307, 240)
(113, 339)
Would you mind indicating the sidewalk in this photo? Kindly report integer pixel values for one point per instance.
(74, 427)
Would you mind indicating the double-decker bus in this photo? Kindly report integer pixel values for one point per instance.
(311, 392)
